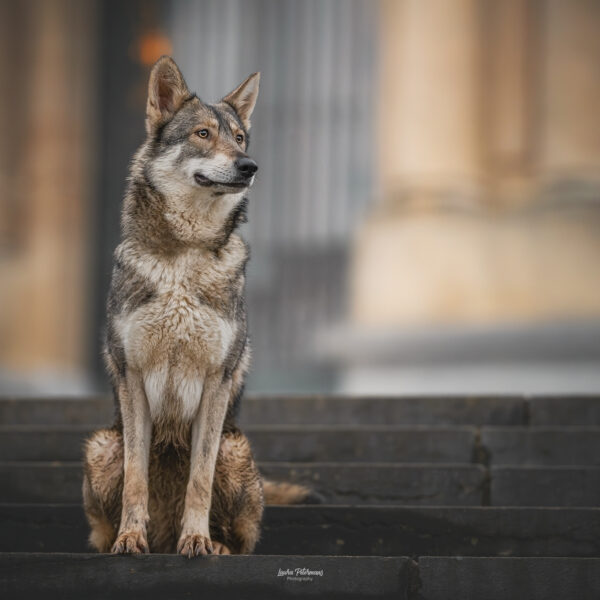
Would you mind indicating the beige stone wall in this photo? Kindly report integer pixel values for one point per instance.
(436, 268)
(489, 134)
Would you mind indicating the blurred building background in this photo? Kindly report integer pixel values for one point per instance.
(427, 212)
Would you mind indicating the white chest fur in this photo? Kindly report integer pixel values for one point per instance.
(175, 340)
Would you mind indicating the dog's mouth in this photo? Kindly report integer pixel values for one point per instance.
(206, 182)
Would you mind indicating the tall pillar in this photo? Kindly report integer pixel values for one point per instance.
(511, 59)
(570, 136)
(45, 271)
(428, 135)
(429, 157)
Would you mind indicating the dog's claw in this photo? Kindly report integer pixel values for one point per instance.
(194, 545)
(131, 542)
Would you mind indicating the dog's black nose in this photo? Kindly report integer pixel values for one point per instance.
(246, 166)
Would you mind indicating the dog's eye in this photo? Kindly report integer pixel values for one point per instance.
(239, 138)
(203, 133)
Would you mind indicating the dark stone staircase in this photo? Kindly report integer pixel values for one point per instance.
(425, 498)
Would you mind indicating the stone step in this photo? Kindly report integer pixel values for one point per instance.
(338, 483)
(556, 410)
(322, 410)
(541, 445)
(352, 531)
(360, 483)
(373, 443)
(333, 410)
(56, 410)
(545, 486)
(275, 443)
(97, 576)
(300, 410)
(444, 578)
(75, 576)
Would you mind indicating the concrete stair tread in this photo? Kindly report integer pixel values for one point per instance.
(491, 497)
(170, 576)
(352, 530)
(361, 483)
(277, 443)
(522, 578)
(467, 410)
(94, 576)
(356, 483)
(548, 445)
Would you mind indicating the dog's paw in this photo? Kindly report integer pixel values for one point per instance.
(194, 544)
(219, 548)
(131, 542)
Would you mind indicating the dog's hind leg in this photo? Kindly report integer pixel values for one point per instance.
(237, 498)
(103, 486)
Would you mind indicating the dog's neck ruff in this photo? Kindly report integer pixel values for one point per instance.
(169, 224)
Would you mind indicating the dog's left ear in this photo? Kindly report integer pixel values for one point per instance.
(167, 91)
(243, 98)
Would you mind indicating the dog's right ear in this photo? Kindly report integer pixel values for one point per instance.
(167, 91)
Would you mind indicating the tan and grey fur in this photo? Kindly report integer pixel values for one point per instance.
(175, 473)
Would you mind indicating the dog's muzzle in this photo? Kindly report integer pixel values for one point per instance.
(245, 168)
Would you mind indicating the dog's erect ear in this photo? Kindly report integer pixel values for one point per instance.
(243, 98)
(167, 91)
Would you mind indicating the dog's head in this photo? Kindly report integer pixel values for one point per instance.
(198, 149)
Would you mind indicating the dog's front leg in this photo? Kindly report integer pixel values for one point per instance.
(137, 433)
(206, 436)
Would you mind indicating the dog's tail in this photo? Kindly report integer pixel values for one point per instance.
(282, 492)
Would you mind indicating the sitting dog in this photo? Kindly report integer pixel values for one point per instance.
(175, 473)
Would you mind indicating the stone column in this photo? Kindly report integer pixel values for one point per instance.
(510, 120)
(570, 108)
(45, 273)
(428, 135)
(429, 157)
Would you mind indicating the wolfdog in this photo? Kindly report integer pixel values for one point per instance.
(175, 473)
